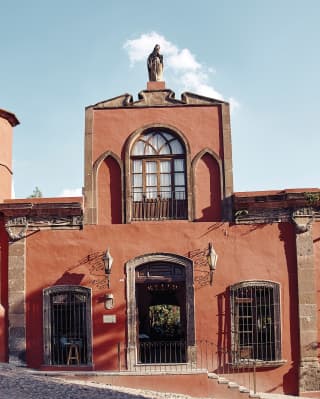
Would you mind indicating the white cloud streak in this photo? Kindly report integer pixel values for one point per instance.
(187, 72)
(71, 192)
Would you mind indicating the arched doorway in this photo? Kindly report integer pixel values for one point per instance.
(160, 309)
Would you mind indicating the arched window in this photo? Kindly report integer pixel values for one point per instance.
(158, 178)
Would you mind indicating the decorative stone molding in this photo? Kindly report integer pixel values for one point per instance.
(276, 207)
(17, 227)
(12, 228)
(162, 97)
(303, 219)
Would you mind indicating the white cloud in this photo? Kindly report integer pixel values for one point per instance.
(183, 60)
(197, 81)
(182, 65)
(234, 104)
(71, 192)
(139, 49)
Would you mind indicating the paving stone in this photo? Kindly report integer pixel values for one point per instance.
(21, 383)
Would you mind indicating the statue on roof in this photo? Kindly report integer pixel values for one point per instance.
(155, 65)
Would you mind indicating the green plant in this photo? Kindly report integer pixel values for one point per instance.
(36, 193)
(312, 198)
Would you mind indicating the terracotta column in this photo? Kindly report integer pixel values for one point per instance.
(309, 365)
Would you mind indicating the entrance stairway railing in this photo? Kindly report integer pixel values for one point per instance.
(171, 356)
(162, 352)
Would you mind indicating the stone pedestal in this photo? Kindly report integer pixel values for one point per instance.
(160, 85)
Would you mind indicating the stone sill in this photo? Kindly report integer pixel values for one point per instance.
(258, 364)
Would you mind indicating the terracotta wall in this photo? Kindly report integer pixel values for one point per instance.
(200, 125)
(245, 252)
(5, 159)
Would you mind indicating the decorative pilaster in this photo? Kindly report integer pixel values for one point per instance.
(309, 366)
(16, 312)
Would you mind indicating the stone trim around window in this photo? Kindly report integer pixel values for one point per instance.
(255, 324)
(131, 140)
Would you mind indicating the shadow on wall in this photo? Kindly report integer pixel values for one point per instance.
(109, 192)
(107, 336)
(287, 236)
(207, 190)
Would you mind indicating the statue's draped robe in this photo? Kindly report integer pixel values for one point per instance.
(155, 68)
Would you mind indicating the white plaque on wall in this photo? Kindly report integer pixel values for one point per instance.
(109, 318)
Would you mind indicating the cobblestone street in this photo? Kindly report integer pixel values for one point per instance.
(20, 383)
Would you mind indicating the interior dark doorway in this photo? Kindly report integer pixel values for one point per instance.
(161, 313)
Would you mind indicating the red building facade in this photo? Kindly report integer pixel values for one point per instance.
(161, 270)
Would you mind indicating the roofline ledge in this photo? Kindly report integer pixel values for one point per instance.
(10, 117)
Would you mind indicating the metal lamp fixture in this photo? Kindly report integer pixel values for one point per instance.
(212, 258)
(107, 260)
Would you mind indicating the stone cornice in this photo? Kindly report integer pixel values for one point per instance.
(10, 117)
(29, 216)
(154, 98)
(273, 207)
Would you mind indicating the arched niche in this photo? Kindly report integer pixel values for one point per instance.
(108, 189)
(207, 186)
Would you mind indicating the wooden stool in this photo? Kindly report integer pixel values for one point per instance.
(73, 354)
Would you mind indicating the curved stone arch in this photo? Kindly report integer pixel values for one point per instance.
(131, 266)
(98, 162)
(128, 146)
(195, 160)
(252, 283)
(56, 289)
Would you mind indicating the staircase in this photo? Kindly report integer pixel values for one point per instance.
(222, 388)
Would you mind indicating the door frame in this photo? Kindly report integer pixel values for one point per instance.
(131, 265)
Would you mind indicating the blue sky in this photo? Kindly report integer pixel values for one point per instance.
(59, 56)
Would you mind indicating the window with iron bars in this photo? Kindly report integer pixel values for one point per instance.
(255, 322)
(67, 319)
(158, 178)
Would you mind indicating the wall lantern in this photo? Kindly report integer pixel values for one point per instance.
(107, 260)
(108, 301)
(212, 258)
